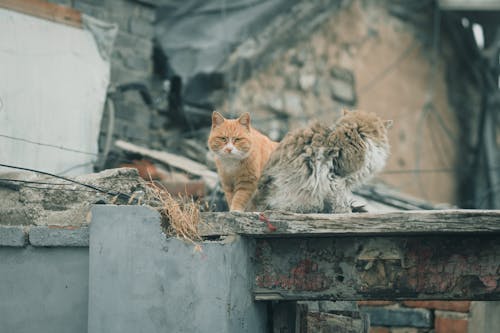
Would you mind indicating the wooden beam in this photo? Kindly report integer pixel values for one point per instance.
(177, 161)
(440, 254)
(45, 10)
(282, 224)
(445, 267)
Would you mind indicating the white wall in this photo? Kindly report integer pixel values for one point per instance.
(52, 90)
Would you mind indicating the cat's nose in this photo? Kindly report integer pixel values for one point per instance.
(228, 149)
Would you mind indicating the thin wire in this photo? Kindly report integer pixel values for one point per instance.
(69, 180)
(382, 74)
(430, 100)
(48, 145)
(34, 182)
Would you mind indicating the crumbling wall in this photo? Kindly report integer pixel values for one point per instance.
(365, 56)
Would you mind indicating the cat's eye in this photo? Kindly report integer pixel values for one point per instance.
(236, 140)
(223, 139)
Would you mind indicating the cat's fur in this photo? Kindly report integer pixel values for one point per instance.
(314, 169)
(241, 152)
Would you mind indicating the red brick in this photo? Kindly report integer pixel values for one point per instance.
(457, 306)
(450, 325)
(375, 303)
(379, 330)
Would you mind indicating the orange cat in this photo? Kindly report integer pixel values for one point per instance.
(241, 153)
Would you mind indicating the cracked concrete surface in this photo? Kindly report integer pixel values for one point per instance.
(44, 200)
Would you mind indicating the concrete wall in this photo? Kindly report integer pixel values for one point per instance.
(140, 281)
(132, 278)
(43, 289)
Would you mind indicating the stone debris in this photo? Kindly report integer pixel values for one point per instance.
(42, 200)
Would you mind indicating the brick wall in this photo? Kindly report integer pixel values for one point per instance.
(417, 316)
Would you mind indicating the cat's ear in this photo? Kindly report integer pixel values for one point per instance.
(388, 124)
(345, 111)
(244, 120)
(217, 119)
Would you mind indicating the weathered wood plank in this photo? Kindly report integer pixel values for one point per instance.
(320, 225)
(45, 10)
(174, 160)
(463, 266)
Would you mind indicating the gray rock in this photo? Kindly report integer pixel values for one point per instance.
(342, 85)
(293, 103)
(141, 27)
(134, 43)
(276, 103)
(343, 91)
(342, 74)
(307, 81)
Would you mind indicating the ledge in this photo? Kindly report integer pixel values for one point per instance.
(407, 223)
(44, 236)
(59, 236)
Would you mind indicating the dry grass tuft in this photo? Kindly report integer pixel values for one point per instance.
(180, 215)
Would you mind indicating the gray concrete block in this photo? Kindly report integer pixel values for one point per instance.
(121, 74)
(12, 236)
(141, 27)
(138, 63)
(134, 43)
(121, 126)
(59, 236)
(142, 281)
(380, 316)
(148, 13)
(136, 114)
(158, 122)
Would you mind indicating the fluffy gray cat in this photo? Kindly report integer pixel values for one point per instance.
(313, 170)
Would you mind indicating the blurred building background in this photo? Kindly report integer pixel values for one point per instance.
(431, 66)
